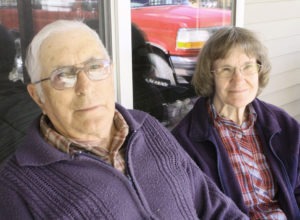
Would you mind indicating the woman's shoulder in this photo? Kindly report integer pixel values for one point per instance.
(276, 114)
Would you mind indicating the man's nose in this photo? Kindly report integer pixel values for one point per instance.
(82, 83)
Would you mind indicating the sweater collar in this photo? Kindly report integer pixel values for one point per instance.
(204, 130)
(200, 131)
(266, 117)
(35, 151)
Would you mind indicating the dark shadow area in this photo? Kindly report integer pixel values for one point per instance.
(17, 109)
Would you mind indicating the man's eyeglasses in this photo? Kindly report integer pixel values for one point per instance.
(66, 77)
(248, 69)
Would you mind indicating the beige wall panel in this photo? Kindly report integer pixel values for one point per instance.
(277, 23)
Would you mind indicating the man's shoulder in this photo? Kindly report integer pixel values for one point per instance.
(8, 167)
(135, 118)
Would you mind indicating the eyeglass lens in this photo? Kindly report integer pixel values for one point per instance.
(66, 77)
(246, 70)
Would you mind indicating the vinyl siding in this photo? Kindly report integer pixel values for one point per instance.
(277, 23)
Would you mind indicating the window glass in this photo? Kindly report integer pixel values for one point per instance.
(43, 12)
(10, 20)
(47, 11)
(174, 31)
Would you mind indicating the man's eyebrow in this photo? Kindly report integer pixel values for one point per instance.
(61, 67)
(95, 58)
(68, 66)
(91, 59)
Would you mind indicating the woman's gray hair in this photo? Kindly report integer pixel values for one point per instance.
(218, 46)
(32, 61)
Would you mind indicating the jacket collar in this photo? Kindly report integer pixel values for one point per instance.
(35, 151)
(266, 118)
(200, 131)
(203, 131)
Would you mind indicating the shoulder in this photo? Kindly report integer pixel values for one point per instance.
(148, 127)
(196, 123)
(132, 114)
(9, 170)
(137, 119)
(271, 114)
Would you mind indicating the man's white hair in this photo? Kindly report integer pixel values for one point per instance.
(33, 63)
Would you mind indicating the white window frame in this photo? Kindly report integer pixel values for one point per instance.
(239, 13)
(121, 51)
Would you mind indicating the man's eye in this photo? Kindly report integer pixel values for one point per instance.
(95, 67)
(66, 74)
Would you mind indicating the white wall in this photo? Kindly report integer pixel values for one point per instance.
(277, 22)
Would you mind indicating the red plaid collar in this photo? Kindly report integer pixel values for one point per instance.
(114, 155)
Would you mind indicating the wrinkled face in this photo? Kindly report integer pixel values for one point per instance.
(240, 89)
(84, 112)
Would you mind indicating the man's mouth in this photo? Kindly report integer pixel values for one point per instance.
(89, 108)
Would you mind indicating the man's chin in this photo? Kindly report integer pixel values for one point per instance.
(93, 125)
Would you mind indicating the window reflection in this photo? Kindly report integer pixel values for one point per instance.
(43, 12)
(174, 31)
(47, 11)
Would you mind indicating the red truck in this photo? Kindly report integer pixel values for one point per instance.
(176, 33)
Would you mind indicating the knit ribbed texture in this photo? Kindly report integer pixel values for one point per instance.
(41, 182)
(161, 149)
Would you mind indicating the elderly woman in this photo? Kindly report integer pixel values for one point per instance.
(248, 147)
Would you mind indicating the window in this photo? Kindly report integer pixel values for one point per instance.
(174, 33)
(35, 15)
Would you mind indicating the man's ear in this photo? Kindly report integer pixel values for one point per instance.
(34, 95)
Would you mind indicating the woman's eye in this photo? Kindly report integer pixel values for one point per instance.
(247, 66)
(226, 69)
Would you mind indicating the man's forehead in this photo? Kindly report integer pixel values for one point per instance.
(70, 47)
(69, 36)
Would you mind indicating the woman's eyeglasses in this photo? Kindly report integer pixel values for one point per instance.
(248, 69)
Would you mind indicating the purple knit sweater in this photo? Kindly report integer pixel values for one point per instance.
(41, 182)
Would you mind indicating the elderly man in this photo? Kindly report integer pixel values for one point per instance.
(86, 157)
